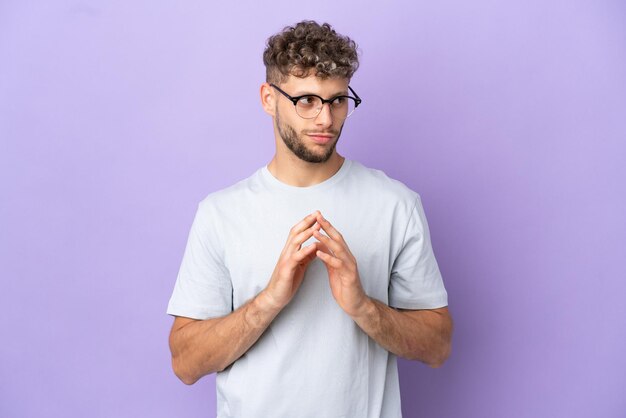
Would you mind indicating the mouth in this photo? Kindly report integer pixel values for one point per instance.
(321, 138)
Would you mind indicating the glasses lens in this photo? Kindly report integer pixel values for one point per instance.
(310, 106)
(350, 106)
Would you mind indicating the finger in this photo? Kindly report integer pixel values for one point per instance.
(310, 256)
(305, 252)
(329, 260)
(304, 223)
(335, 247)
(323, 247)
(329, 229)
(298, 240)
(299, 228)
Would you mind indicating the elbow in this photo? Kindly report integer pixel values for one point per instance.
(435, 365)
(188, 377)
(444, 347)
(188, 380)
(441, 357)
(182, 373)
(434, 358)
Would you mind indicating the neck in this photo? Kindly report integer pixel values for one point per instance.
(291, 170)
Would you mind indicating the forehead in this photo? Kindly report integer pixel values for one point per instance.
(315, 85)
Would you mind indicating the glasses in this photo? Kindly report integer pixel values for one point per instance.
(308, 106)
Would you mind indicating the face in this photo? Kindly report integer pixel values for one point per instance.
(311, 140)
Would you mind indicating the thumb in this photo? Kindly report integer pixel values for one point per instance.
(311, 256)
(323, 247)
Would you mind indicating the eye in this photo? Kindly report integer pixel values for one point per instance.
(307, 101)
(339, 101)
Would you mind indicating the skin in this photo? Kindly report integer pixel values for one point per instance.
(201, 347)
(423, 335)
(300, 161)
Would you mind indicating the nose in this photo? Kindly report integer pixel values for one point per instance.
(325, 117)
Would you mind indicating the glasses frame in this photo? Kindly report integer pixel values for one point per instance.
(295, 99)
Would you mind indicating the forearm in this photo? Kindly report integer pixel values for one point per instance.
(419, 335)
(203, 347)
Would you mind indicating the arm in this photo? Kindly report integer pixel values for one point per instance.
(423, 335)
(201, 347)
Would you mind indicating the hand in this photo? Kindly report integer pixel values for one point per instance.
(343, 274)
(292, 263)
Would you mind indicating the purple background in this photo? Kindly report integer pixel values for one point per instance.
(117, 118)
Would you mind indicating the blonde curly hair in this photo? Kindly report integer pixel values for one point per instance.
(308, 46)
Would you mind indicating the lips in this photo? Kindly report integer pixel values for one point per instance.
(321, 139)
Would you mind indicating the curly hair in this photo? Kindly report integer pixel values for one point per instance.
(309, 46)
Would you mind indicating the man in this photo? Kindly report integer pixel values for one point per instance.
(301, 284)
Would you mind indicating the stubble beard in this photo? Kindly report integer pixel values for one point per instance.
(297, 145)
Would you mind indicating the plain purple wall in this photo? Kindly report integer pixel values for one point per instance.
(509, 118)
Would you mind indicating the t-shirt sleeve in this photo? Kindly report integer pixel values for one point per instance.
(203, 288)
(416, 281)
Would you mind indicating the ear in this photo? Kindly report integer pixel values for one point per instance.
(268, 99)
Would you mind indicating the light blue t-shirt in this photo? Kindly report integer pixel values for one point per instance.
(313, 361)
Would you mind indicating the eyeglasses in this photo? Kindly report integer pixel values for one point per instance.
(308, 106)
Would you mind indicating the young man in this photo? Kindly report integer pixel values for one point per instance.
(301, 284)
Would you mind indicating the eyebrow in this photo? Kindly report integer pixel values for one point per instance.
(306, 93)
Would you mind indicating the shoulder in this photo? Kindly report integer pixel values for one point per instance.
(230, 199)
(383, 186)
